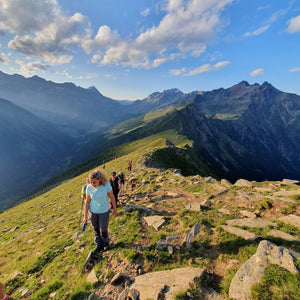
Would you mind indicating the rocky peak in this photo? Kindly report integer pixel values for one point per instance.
(93, 90)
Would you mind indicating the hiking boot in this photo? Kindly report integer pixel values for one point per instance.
(106, 248)
(98, 248)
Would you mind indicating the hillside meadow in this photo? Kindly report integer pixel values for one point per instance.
(43, 251)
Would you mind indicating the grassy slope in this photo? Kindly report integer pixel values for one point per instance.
(124, 137)
(35, 233)
(36, 236)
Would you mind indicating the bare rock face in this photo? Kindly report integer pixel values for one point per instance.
(166, 283)
(283, 235)
(250, 222)
(252, 270)
(191, 234)
(250, 236)
(291, 219)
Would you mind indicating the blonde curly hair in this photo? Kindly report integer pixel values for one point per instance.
(98, 174)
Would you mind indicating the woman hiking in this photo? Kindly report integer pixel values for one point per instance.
(97, 194)
(115, 184)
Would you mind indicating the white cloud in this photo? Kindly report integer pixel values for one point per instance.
(280, 13)
(19, 16)
(177, 72)
(91, 75)
(257, 72)
(294, 70)
(174, 5)
(42, 29)
(4, 58)
(263, 7)
(294, 25)
(145, 12)
(104, 38)
(96, 59)
(29, 68)
(257, 31)
(88, 76)
(65, 74)
(187, 28)
(201, 69)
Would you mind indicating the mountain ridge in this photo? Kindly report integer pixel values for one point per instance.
(242, 131)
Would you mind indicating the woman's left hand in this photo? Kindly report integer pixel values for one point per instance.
(115, 212)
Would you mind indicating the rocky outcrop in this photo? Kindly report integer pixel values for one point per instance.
(252, 270)
(250, 236)
(164, 284)
(282, 235)
(292, 220)
(191, 234)
(253, 222)
(155, 221)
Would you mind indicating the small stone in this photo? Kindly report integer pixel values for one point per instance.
(92, 278)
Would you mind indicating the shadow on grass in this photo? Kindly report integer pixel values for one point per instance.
(233, 246)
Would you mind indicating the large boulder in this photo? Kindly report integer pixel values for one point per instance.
(253, 269)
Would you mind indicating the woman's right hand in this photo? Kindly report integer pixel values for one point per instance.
(84, 220)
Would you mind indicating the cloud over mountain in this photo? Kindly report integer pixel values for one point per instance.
(187, 27)
(43, 29)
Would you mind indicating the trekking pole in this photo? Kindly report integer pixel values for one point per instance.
(80, 218)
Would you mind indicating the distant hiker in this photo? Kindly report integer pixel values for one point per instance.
(115, 184)
(83, 190)
(3, 296)
(129, 165)
(97, 194)
(122, 181)
(104, 165)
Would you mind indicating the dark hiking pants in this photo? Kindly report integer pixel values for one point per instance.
(100, 225)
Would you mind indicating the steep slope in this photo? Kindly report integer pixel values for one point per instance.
(69, 106)
(43, 251)
(262, 140)
(247, 131)
(32, 150)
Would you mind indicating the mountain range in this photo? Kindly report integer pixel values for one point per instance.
(245, 131)
(32, 150)
(77, 110)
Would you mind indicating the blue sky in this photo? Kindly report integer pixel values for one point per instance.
(130, 49)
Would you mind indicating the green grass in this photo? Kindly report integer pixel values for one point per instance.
(37, 236)
(127, 227)
(45, 292)
(277, 283)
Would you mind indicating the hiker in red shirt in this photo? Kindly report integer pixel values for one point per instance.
(129, 165)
